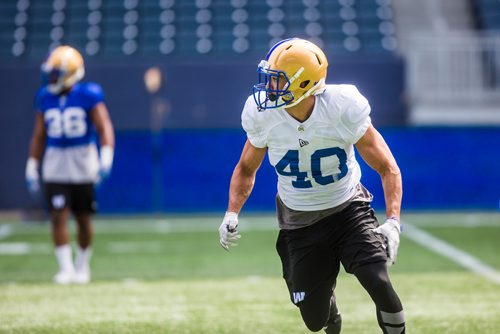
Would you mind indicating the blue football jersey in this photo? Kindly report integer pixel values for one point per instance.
(71, 152)
(67, 117)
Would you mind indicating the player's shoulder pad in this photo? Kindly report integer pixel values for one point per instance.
(250, 113)
(354, 105)
(92, 88)
(350, 93)
(40, 95)
(254, 122)
(250, 106)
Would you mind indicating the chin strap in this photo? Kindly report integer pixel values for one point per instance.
(73, 79)
(314, 90)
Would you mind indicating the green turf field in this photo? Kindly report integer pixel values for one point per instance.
(170, 275)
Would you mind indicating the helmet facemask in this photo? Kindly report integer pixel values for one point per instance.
(272, 91)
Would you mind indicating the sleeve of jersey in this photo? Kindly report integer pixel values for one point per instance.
(95, 94)
(37, 103)
(355, 113)
(252, 126)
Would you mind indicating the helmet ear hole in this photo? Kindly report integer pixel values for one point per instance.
(304, 83)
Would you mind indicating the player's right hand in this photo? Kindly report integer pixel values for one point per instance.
(228, 230)
(32, 175)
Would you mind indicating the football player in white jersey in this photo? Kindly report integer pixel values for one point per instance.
(309, 130)
(70, 114)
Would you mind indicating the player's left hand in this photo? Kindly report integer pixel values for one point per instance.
(105, 163)
(228, 230)
(390, 230)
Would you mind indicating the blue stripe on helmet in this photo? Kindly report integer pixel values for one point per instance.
(278, 44)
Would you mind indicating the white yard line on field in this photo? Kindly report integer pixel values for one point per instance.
(23, 248)
(456, 255)
(5, 231)
(14, 248)
(131, 247)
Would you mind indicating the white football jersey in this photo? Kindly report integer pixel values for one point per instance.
(314, 159)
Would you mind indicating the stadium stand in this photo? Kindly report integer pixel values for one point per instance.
(488, 14)
(192, 27)
(451, 56)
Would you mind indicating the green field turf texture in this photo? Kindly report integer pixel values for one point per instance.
(171, 276)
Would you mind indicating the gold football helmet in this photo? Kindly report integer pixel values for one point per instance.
(293, 70)
(63, 68)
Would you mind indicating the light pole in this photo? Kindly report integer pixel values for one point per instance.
(158, 109)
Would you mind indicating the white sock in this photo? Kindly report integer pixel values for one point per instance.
(83, 258)
(63, 255)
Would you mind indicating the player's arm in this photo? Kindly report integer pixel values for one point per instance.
(102, 122)
(37, 143)
(374, 150)
(36, 149)
(241, 186)
(243, 177)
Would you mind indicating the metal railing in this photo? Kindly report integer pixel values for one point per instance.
(454, 69)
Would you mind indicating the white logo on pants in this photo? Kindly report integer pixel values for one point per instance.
(298, 297)
(58, 201)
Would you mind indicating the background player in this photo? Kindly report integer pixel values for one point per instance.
(309, 130)
(68, 113)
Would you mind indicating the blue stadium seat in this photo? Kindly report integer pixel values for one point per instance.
(174, 24)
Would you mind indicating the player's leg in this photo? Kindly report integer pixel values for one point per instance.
(57, 197)
(83, 206)
(83, 249)
(60, 232)
(363, 254)
(334, 323)
(320, 312)
(375, 279)
(310, 273)
(315, 309)
(85, 230)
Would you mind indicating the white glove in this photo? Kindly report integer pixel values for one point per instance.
(228, 230)
(390, 230)
(32, 175)
(105, 162)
